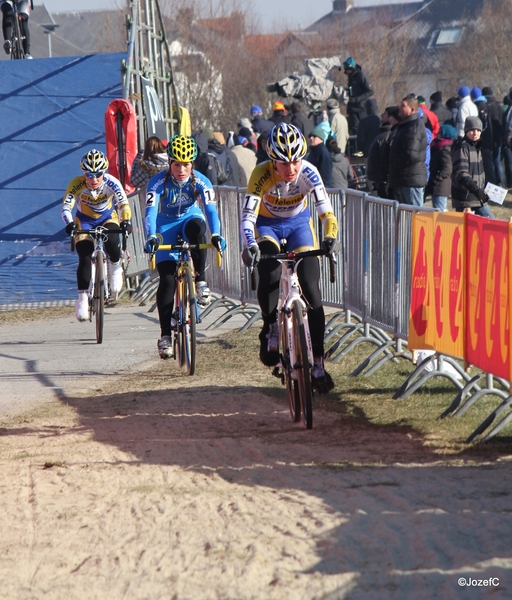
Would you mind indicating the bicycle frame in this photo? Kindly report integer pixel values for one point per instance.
(296, 352)
(186, 311)
(99, 291)
(17, 51)
(290, 294)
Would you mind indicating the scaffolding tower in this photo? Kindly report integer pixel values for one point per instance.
(149, 59)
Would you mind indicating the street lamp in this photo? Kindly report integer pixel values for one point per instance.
(49, 29)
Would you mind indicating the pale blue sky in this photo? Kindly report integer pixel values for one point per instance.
(274, 15)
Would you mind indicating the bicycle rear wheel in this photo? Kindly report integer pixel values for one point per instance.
(302, 366)
(292, 389)
(189, 322)
(99, 296)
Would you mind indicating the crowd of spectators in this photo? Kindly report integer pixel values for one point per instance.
(413, 152)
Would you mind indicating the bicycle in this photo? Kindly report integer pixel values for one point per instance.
(186, 315)
(296, 353)
(99, 292)
(17, 51)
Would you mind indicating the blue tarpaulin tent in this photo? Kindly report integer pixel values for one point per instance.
(51, 113)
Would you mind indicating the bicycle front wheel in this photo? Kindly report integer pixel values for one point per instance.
(178, 342)
(302, 367)
(16, 41)
(99, 297)
(189, 322)
(292, 389)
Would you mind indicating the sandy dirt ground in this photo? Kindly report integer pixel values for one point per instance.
(157, 485)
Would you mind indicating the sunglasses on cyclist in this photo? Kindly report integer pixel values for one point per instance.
(93, 175)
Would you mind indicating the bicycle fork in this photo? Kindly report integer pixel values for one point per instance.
(92, 285)
(289, 324)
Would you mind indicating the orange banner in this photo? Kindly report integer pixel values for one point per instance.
(488, 295)
(421, 321)
(438, 282)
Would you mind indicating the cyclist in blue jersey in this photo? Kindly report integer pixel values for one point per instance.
(172, 210)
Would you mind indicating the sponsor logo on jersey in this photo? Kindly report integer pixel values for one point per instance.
(261, 181)
(76, 188)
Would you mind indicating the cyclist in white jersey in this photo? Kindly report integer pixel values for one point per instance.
(100, 200)
(275, 208)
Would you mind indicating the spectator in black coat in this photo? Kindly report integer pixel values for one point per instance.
(261, 150)
(495, 113)
(407, 155)
(452, 104)
(439, 109)
(204, 163)
(259, 124)
(506, 147)
(368, 127)
(375, 174)
(319, 156)
(383, 188)
(486, 139)
(440, 183)
(368, 130)
(359, 90)
(300, 119)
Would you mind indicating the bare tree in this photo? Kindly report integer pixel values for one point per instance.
(482, 57)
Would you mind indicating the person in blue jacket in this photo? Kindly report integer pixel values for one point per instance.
(179, 202)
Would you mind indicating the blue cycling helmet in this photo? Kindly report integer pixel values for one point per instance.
(256, 110)
(350, 63)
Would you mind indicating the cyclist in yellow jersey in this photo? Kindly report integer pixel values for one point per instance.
(100, 200)
(276, 208)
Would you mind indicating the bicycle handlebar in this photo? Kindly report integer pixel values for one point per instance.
(97, 232)
(296, 256)
(187, 246)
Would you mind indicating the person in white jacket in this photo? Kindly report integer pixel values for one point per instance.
(467, 108)
(339, 123)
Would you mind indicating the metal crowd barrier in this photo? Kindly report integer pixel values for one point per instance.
(371, 295)
(229, 283)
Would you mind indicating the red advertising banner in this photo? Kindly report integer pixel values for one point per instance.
(438, 283)
(488, 295)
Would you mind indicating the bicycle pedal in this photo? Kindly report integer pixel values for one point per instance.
(276, 372)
